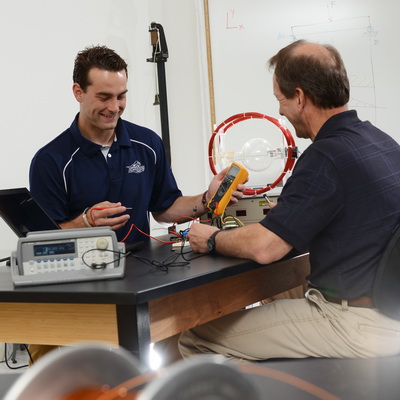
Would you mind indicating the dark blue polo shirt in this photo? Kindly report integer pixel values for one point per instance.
(343, 203)
(71, 173)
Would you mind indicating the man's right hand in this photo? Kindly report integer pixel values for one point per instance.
(101, 214)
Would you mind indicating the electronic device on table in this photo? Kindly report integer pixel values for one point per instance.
(47, 254)
(68, 255)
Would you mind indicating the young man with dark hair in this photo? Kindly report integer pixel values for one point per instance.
(106, 171)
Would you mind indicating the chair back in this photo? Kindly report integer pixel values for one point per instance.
(386, 291)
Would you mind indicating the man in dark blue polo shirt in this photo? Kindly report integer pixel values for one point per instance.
(104, 170)
(342, 202)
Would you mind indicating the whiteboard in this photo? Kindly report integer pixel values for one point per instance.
(244, 34)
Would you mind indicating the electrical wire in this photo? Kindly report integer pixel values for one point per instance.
(104, 264)
(170, 261)
(171, 231)
(7, 358)
(148, 235)
(99, 209)
(164, 265)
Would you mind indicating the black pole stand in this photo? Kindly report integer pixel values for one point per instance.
(160, 56)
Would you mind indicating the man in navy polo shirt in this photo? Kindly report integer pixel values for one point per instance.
(102, 164)
(342, 202)
(105, 171)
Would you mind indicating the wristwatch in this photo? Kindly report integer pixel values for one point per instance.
(211, 242)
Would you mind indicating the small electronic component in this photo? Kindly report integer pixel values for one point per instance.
(236, 174)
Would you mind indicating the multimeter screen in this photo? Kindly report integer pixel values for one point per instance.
(226, 183)
(236, 174)
(53, 249)
(233, 171)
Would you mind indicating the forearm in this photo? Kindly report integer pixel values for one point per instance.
(195, 206)
(253, 242)
(77, 222)
(184, 206)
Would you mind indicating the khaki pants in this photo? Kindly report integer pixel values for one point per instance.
(298, 328)
(295, 293)
(39, 350)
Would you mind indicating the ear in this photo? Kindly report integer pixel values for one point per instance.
(77, 91)
(300, 98)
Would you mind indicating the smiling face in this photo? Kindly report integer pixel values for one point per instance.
(101, 104)
(292, 109)
(284, 102)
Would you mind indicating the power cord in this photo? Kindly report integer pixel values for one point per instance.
(171, 261)
(7, 358)
(103, 265)
(223, 222)
(164, 265)
(228, 222)
(7, 260)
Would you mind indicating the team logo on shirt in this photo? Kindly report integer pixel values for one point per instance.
(135, 168)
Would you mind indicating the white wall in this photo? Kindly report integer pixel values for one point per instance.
(39, 42)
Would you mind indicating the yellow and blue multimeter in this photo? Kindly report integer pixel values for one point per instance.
(235, 175)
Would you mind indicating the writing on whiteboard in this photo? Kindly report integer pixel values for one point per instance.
(230, 21)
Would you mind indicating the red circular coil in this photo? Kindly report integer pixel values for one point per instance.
(233, 120)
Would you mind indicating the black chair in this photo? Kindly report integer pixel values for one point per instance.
(386, 291)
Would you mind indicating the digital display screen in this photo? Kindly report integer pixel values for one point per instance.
(53, 249)
(233, 171)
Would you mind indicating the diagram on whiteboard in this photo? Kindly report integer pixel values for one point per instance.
(358, 32)
(244, 34)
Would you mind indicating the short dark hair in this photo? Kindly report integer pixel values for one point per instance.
(323, 79)
(100, 57)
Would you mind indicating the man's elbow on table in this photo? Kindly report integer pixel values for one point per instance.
(266, 247)
(253, 242)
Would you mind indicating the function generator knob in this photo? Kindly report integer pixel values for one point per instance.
(102, 243)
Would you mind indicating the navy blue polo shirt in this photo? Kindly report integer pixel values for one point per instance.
(71, 173)
(342, 202)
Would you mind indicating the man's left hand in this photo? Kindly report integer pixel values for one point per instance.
(215, 183)
(198, 236)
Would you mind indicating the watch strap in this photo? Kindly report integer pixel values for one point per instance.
(211, 242)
